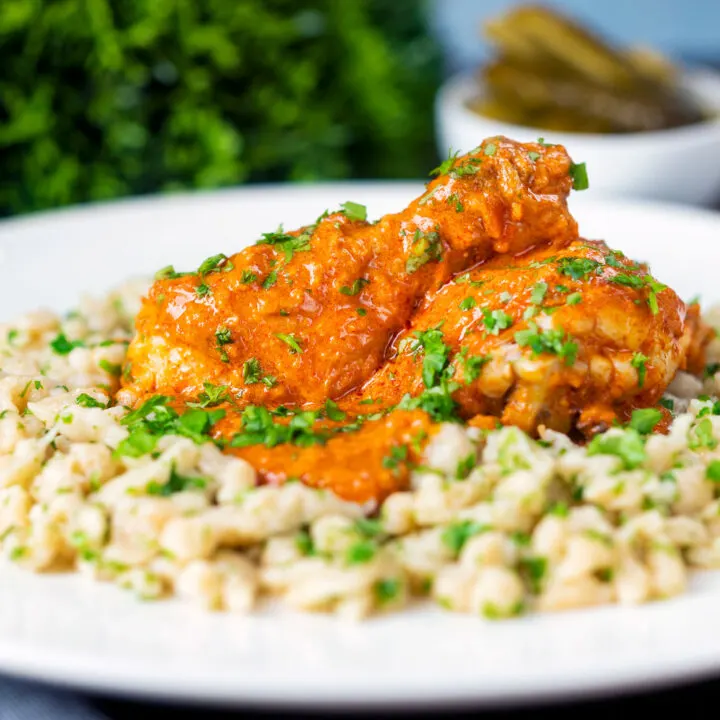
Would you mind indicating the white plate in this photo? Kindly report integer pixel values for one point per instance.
(64, 629)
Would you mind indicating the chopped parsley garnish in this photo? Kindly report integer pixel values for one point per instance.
(436, 354)
(386, 590)
(465, 466)
(12, 335)
(533, 156)
(711, 369)
(291, 341)
(333, 412)
(446, 165)
(702, 436)
(538, 293)
(176, 483)
(457, 534)
(219, 263)
(644, 420)
(573, 298)
(223, 337)
(637, 282)
(361, 552)
(628, 446)
(304, 543)
(470, 167)
(110, 368)
(211, 396)
(547, 341)
(62, 346)
(252, 372)
(155, 418)
(362, 312)
(247, 277)
(668, 403)
(169, 273)
(355, 288)
(454, 199)
(270, 280)
(638, 362)
(490, 149)
(472, 365)
(202, 290)
(88, 401)
(712, 471)
(577, 268)
(495, 321)
(354, 211)
(288, 244)
(578, 173)
(534, 570)
(260, 428)
(468, 303)
(397, 456)
(426, 247)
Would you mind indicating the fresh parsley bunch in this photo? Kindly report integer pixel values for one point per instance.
(116, 97)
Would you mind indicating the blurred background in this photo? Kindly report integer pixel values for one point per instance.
(109, 98)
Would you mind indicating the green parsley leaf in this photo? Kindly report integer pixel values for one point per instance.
(454, 199)
(362, 312)
(468, 303)
(496, 320)
(360, 553)
(398, 455)
(426, 247)
(446, 165)
(644, 420)
(458, 533)
(333, 412)
(252, 371)
(169, 273)
(88, 401)
(110, 368)
(354, 211)
(270, 280)
(534, 156)
(247, 277)
(629, 446)
(355, 288)
(538, 293)
(577, 268)
(176, 483)
(291, 341)
(386, 590)
(490, 149)
(203, 290)
(213, 395)
(436, 354)
(573, 298)
(547, 341)
(214, 263)
(62, 346)
(712, 471)
(638, 362)
(578, 173)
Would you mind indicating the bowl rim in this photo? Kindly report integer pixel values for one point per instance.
(703, 81)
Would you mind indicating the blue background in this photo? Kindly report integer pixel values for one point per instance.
(688, 29)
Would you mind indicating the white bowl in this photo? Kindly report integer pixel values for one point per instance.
(680, 165)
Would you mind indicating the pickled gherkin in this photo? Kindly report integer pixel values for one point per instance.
(554, 74)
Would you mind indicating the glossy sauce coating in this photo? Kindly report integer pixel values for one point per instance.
(350, 311)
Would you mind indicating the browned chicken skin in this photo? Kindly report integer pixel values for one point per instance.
(315, 309)
(477, 303)
(572, 337)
